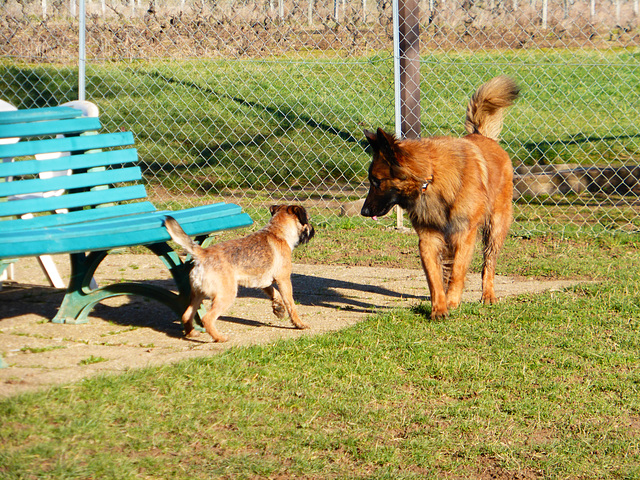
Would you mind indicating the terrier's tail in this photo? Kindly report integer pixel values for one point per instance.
(486, 107)
(181, 238)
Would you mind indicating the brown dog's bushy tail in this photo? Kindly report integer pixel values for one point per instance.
(181, 238)
(486, 107)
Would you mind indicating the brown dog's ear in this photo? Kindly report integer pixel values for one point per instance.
(373, 140)
(386, 139)
(387, 146)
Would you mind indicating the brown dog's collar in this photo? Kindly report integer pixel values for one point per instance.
(427, 182)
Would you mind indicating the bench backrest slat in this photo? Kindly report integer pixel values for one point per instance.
(73, 162)
(73, 200)
(71, 182)
(67, 144)
(76, 216)
(37, 129)
(38, 114)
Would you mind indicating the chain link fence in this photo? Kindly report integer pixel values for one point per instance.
(260, 102)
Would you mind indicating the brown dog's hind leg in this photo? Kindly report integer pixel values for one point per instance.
(279, 310)
(430, 245)
(286, 291)
(493, 238)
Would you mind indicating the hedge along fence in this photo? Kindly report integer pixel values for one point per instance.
(260, 102)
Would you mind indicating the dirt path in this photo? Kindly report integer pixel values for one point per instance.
(125, 333)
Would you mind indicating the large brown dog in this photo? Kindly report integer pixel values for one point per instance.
(258, 260)
(450, 187)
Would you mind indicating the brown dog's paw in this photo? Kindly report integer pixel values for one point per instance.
(451, 304)
(439, 314)
(489, 299)
(301, 325)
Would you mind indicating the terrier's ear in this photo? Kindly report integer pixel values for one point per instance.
(301, 213)
(273, 209)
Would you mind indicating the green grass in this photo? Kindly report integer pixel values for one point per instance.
(537, 386)
(91, 360)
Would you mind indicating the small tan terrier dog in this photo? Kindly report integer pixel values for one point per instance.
(259, 260)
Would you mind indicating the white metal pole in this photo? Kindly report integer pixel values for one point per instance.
(396, 69)
(81, 52)
(396, 87)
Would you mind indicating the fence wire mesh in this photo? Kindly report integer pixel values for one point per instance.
(258, 102)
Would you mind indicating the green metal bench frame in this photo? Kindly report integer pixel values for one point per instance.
(105, 207)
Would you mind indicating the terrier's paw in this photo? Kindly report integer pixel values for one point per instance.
(279, 310)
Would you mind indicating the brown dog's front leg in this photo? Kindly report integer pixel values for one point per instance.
(463, 245)
(430, 245)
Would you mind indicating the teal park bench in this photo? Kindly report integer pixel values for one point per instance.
(102, 206)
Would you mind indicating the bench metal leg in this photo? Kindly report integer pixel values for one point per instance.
(80, 298)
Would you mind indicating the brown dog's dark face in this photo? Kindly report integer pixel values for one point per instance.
(387, 178)
(305, 229)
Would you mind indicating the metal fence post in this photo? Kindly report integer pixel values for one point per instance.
(81, 52)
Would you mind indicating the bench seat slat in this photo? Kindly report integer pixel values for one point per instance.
(67, 144)
(38, 114)
(77, 216)
(63, 127)
(73, 200)
(70, 182)
(151, 219)
(72, 162)
(93, 237)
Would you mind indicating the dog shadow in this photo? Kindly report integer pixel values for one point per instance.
(330, 293)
